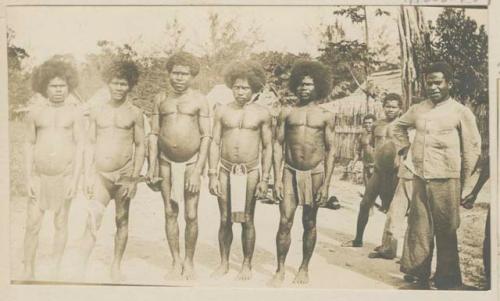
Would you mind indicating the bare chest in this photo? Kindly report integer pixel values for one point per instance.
(120, 118)
(241, 119)
(61, 118)
(306, 118)
(174, 107)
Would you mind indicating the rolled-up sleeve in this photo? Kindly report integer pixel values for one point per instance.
(400, 129)
(470, 142)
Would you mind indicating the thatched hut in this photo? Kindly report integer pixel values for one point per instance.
(350, 110)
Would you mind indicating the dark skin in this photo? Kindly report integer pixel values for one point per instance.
(239, 129)
(305, 138)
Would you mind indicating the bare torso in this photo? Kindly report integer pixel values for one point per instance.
(241, 129)
(180, 136)
(367, 150)
(305, 137)
(114, 146)
(55, 145)
(385, 149)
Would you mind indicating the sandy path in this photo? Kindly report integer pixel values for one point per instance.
(147, 258)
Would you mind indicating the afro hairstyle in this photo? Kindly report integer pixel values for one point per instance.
(369, 116)
(184, 59)
(442, 67)
(393, 97)
(249, 70)
(319, 73)
(127, 70)
(51, 69)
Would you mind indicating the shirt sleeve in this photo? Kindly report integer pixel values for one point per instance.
(470, 142)
(400, 129)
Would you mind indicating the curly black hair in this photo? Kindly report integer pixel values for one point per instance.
(319, 73)
(442, 67)
(51, 69)
(249, 70)
(393, 97)
(127, 70)
(184, 59)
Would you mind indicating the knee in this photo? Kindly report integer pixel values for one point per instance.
(365, 205)
(286, 224)
(249, 225)
(171, 214)
(191, 218)
(225, 222)
(121, 221)
(309, 224)
(60, 224)
(33, 227)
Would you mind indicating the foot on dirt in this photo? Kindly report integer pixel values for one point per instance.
(301, 278)
(381, 255)
(188, 271)
(175, 272)
(277, 279)
(353, 244)
(221, 270)
(116, 274)
(245, 273)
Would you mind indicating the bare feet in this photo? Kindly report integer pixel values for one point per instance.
(175, 273)
(221, 270)
(302, 277)
(116, 274)
(188, 271)
(28, 274)
(353, 244)
(277, 279)
(245, 272)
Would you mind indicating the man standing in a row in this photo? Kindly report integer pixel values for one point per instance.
(445, 148)
(240, 151)
(54, 153)
(305, 137)
(179, 140)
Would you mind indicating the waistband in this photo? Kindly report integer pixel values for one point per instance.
(320, 168)
(230, 166)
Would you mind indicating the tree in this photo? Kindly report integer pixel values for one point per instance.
(464, 45)
(18, 79)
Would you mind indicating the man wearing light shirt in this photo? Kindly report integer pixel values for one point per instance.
(445, 149)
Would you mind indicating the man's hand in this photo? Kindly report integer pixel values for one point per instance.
(71, 191)
(322, 195)
(214, 186)
(88, 189)
(31, 188)
(468, 201)
(278, 190)
(193, 181)
(150, 175)
(130, 190)
(261, 190)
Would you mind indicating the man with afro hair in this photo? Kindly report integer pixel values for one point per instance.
(239, 166)
(178, 143)
(305, 137)
(54, 155)
(115, 151)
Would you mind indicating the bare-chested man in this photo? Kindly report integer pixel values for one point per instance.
(305, 137)
(237, 160)
(54, 153)
(179, 140)
(114, 153)
(365, 147)
(384, 180)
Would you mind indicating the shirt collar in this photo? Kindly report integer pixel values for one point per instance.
(449, 100)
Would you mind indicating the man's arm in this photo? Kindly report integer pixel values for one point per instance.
(79, 138)
(153, 138)
(267, 146)
(90, 145)
(471, 144)
(29, 144)
(139, 152)
(330, 147)
(204, 124)
(214, 153)
(278, 153)
(400, 131)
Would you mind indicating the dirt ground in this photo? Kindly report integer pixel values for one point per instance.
(147, 259)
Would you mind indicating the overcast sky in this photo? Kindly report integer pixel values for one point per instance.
(45, 31)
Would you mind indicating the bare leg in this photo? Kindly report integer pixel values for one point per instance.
(191, 231)
(121, 237)
(33, 224)
(283, 239)
(308, 242)
(103, 189)
(171, 225)
(225, 228)
(60, 235)
(248, 228)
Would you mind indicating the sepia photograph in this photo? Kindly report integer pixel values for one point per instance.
(305, 147)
